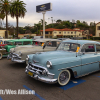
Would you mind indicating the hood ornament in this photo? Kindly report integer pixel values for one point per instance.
(35, 61)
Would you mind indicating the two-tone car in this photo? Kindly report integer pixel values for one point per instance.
(71, 58)
(11, 43)
(19, 54)
(17, 42)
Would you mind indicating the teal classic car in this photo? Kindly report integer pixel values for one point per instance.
(17, 42)
(71, 58)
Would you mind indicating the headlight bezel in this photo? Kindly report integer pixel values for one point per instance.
(27, 59)
(20, 53)
(48, 64)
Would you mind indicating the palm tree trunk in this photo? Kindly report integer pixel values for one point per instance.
(6, 25)
(17, 25)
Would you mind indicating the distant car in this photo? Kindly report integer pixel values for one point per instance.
(5, 48)
(3, 42)
(64, 39)
(39, 45)
(72, 58)
(17, 42)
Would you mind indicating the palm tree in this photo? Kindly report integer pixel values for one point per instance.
(2, 16)
(4, 9)
(17, 10)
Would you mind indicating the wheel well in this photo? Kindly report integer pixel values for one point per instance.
(72, 74)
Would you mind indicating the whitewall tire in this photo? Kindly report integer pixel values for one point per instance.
(64, 77)
(0, 55)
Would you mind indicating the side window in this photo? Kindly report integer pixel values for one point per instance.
(97, 47)
(27, 43)
(88, 48)
(49, 44)
(18, 43)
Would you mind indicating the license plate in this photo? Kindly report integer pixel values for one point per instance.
(30, 73)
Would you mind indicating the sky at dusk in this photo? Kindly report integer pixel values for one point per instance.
(83, 10)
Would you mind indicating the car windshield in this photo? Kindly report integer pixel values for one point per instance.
(66, 46)
(9, 43)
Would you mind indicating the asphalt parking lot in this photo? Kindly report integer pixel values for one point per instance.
(12, 76)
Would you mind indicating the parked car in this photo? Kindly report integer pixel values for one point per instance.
(71, 58)
(64, 39)
(5, 48)
(17, 42)
(39, 45)
(3, 42)
(3, 52)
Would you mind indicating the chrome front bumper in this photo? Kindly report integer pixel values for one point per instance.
(15, 58)
(40, 77)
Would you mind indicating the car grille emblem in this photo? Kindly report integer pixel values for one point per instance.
(35, 61)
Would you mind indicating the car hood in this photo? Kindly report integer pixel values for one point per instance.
(43, 57)
(27, 49)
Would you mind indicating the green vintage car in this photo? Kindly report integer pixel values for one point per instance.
(19, 42)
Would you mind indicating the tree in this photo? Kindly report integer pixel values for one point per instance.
(17, 10)
(59, 21)
(4, 9)
(2, 16)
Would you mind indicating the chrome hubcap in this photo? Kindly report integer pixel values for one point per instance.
(64, 76)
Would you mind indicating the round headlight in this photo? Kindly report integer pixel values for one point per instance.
(27, 59)
(49, 64)
(20, 53)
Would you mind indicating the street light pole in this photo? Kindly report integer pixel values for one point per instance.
(52, 21)
(43, 24)
(48, 21)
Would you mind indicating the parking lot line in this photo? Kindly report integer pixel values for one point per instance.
(96, 76)
(1, 98)
(72, 83)
(35, 92)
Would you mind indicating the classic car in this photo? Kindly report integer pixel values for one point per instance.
(71, 58)
(4, 41)
(17, 42)
(3, 52)
(39, 45)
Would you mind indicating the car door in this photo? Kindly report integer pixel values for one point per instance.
(89, 59)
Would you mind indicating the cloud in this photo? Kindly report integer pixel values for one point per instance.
(83, 10)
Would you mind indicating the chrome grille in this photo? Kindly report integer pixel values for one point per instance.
(36, 68)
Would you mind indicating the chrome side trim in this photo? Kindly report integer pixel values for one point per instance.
(79, 65)
(87, 74)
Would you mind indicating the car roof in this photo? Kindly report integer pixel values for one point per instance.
(81, 42)
(6, 39)
(17, 40)
(44, 40)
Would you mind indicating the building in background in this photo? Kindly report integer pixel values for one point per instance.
(63, 33)
(2, 33)
(26, 35)
(97, 30)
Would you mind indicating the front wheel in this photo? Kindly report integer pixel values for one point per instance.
(0, 55)
(64, 77)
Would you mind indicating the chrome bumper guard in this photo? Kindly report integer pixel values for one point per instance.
(15, 58)
(37, 75)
